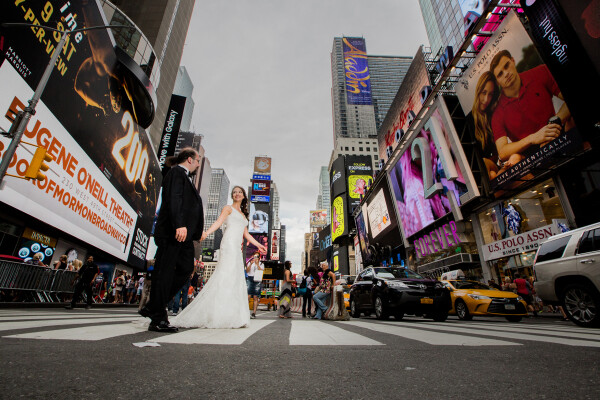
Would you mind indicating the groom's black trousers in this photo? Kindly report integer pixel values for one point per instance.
(174, 263)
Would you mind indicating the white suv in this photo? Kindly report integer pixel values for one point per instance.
(567, 271)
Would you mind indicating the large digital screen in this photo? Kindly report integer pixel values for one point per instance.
(275, 244)
(363, 238)
(359, 174)
(259, 218)
(318, 218)
(103, 183)
(339, 224)
(261, 190)
(405, 107)
(356, 71)
(431, 169)
(337, 177)
(379, 214)
(261, 238)
(515, 109)
(262, 165)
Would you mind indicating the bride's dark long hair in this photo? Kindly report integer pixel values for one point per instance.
(244, 205)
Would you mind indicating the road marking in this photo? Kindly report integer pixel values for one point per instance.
(317, 333)
(547, 330)
(62, 316)
(430, 337)
(93, 332)
(214, 336)
(9, 326)
(533, 336)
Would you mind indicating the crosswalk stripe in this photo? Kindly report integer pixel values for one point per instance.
(504, 334)
(430, 337)
(315, 333)
(9, 326)
(93, 332)
(61, 316)
(566, 329)
(214, 336)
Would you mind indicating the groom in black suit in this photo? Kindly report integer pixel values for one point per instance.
(180, 222)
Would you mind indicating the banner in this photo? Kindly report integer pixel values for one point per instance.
(318, 218)
(168, 141)
(102, 186)
(262, 165)
(408, 102)
(356, 70)
(515, 110)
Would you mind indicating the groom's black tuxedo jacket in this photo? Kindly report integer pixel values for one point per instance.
(181, 207)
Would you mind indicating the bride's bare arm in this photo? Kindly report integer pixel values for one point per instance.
(224, 214)
(249, 238)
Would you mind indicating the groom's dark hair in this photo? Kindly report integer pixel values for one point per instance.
(183, 155)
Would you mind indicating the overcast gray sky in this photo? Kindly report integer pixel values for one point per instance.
(261, 71)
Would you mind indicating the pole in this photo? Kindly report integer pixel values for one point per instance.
(30, 109)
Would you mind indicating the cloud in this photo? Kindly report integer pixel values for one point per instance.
(261, 71)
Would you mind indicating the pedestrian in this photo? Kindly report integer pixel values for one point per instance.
(254, 270)
(180, 222)
(130, 288)
(36, 260)
(119, 287)
(524, 290)
(85, 275)
(492, 283)
(140, 289)
(147, 285)
(61, 264)
(305, 290)
(323, 292)
(285, 298)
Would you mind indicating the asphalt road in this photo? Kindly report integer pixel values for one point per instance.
(56, 354)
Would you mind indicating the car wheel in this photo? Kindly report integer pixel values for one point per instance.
(581, 304)
(380, 311)
(462, 311)
(354, 313)
(399, 315)
(514, 318)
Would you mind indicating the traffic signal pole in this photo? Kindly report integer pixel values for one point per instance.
(30, 109)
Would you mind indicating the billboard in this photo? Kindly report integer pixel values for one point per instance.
(261, 190)
(261, 238)
(356, 71)
(337, 177)
(339, 224)
(102, 186)
(406, 105)
(359, 174)
(259, 218)
(362, 235)
(315, 240)
(318, 218)
(515, 109)
(262, 165)
(339, 261)
(275, 244)
(472, 10)
(431, 177)
(168, 141)
(379, 214)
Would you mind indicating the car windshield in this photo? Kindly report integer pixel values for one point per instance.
(469, 285)
(391, 273)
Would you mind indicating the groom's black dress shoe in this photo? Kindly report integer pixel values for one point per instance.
(162, 327)
(145, 312)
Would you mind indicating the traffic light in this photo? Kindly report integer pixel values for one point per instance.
(38, 165)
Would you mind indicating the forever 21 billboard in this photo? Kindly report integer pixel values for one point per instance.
(102, 185)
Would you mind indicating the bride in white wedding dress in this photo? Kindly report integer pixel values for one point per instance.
(223, 302)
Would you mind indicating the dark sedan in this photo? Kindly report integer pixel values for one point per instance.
(398, 291)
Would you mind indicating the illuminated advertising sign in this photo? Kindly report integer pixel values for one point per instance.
(356, 70)
(362, 236)
(523, 136)
(261, 238)
(408, 102)
(275, 244)
(379, 214)
(340, 261)
(261, 190)
(359, 174)
(262, 165)
(339, 226)
(431, 177)
(324, 240)
(318, 218)
(102, 185)
(259, 218)
(168, 141)
(315, 239)
(261, 177)
(337, 177)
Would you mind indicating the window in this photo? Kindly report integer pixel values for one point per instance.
(552, 249)
(360, 149)
(590, 241)
(368, 149)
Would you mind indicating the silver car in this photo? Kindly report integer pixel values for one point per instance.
(567, 271)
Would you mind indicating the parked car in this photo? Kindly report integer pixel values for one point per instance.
(567, 272)
(471, 298)
(398, 291)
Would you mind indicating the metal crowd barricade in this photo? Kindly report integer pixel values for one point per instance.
(40, 284)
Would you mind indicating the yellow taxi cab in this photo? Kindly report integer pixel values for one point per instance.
(471, 298)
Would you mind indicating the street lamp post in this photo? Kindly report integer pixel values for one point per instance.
(30, 109)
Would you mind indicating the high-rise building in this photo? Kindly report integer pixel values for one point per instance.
(356, 147)
(218, 197)
(184, 87)
(275, 206)
(324, 198)
(165, 23)
(360, 117)
(443, 23)
(282, 244)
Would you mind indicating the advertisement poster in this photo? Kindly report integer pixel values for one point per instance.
(338, 218)
(275, 244)
(103, 184)
(356, 70)
(405, 107)
(379, 215)
(318, 218)
(359, 174)
(259, 218)
(261, 190)
(362, 236)
(472, 10)
(515, 109)
(422, 187)
(262, 165)
(261, 238)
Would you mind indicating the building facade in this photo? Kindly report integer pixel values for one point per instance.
(443, 22)
(217, 199)
(324, 197)
(184, 87)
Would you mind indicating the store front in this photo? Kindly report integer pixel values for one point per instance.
(513, 229)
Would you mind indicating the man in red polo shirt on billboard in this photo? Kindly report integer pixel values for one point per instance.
(525, 113)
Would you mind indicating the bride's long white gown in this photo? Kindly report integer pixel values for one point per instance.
(223, 302)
